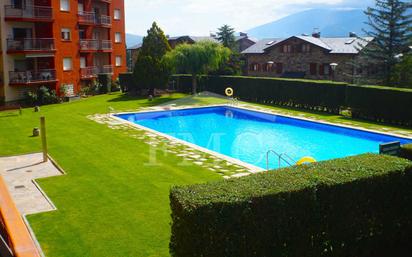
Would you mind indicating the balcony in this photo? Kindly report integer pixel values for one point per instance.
(87, 45)
(90, 18)
(32, 77)
(28, 13)
(89, 72)
(30, 45)
(92, 71)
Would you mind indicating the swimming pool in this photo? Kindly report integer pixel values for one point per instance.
(248, 135)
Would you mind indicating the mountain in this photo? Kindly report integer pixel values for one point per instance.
(330, 22)
(132, 40)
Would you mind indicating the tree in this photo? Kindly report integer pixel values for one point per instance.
(226, 36)
(391, 30)
(197, 59)
(150, 70)
(403, 71)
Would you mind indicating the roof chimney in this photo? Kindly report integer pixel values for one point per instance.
(243, 34)
(352, 34)
(316, 33)
(212, 35)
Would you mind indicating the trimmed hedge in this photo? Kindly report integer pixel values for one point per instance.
(406, 151)
(382, 104)
(356, 206)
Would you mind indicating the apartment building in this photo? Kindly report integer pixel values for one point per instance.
(58, 43)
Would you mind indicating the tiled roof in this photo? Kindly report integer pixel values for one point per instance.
(135, 47)
(261, 45)
(346, 45)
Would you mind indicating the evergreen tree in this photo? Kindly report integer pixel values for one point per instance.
(391, 29)
(226, 36)
(150, 70)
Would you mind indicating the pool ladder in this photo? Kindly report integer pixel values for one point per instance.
(281, 157)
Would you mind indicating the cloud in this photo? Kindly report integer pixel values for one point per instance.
(199, 17)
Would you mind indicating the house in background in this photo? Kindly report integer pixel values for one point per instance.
(59, 43)
(133, 52)
(243, 42)
(309, 57)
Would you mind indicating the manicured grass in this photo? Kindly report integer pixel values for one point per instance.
(110, 203)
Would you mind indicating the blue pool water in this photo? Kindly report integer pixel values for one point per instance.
(248, 135)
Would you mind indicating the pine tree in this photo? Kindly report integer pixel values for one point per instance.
(150, 70)
(226, 36)
(391, 29)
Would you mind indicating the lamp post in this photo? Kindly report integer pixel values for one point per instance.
(333, 67)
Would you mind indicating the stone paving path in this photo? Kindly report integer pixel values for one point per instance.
(19, 173)
(190, 156)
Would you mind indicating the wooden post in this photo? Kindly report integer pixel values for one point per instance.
(43, 138)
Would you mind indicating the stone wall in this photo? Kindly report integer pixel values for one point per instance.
(301, 63)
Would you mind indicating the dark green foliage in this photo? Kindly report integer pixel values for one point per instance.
(105, 81)
(126, 81)
(403, 71)
(226, 36)
(150, 70)
(391, 29)
(406, 151)
(377, 103)
(357, 206)
(41, 96)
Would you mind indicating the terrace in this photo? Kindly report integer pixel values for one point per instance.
(90, 45)
(30, 45)
(28, 13)
(91, 18)
(93, 71)
(33, 77)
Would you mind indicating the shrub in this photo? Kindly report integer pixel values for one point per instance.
(126, 81)
(406, 151)
(356, 206)
(105, 81)
(41, 96)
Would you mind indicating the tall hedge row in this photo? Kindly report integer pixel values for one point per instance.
(392, 105)
(357, 206)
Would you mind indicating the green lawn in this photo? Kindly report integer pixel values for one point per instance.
(110, 203)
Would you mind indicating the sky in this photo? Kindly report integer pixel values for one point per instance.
(201, 17)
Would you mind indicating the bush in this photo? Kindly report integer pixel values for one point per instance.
(42, 96)
(356, 206)
(406, 151)
(382, 104)
(105, 80)
(126, 81)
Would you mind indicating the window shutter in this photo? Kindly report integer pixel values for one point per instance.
(321, 70)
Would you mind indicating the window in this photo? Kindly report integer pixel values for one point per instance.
(117, 14)
(64, 5)
(268, 67)
(305, 48)
(254, 67)
(287, 48)
(327, 69)
(66, 34)
(118, 61)
(67, 64)
(118, 37)
(313, 69)
(82, 62)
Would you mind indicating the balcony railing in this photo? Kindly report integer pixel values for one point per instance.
(108, 69)
(31, 44)
(94, 44)
(106, 45)
(89, 72)
(29, 12)
(93, 71)
(27, 77)
(93, 18)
